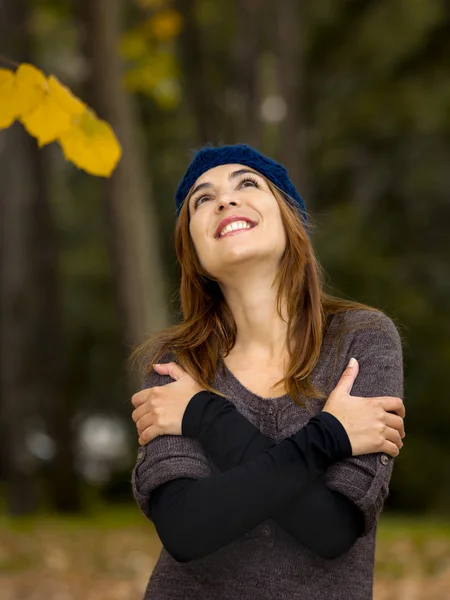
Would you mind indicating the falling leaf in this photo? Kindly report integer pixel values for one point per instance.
(20, 92)
(8, 110)
(54, 115)
(91, 145)
(50, 112)
(31, 88)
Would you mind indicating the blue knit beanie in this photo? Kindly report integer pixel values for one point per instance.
(209, 157)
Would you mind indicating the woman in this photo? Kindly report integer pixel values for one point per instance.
(263, 475)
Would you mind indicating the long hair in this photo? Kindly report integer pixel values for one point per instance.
(208, 330)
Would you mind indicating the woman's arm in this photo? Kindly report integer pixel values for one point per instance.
(323, 520)
(365, 479)
(196, 518)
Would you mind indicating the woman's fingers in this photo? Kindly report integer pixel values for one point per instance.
(348, 377)
(392, 404)
(396, 422)
(142, 410)
(144, 422)
(149, 434)
(392, 435)
(390, 448)
(140, 397)
(138, 413)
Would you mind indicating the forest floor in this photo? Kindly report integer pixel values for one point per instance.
(110, 554)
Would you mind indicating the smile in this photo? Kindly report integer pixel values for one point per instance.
(236, 231)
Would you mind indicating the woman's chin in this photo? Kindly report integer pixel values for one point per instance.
(244, 262)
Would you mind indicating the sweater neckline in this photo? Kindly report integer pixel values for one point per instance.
(233, 382)
(256, 402)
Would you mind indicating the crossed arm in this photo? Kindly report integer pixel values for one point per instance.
(308, 483)
(259, 479)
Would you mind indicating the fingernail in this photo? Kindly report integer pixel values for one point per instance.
(156, 365)
(352, 362)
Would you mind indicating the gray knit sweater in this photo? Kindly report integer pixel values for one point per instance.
(267, 563)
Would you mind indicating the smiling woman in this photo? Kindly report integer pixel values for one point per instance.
(246, 222)
(263, 476)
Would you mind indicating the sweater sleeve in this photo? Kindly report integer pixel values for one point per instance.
(323, 520)
(237, 500)
(166, 457)
(365, 479)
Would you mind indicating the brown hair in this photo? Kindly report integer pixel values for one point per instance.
(208, 330)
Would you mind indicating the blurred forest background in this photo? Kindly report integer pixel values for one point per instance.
(354, 98)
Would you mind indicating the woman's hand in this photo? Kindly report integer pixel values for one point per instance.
(160, 409)
(369, 422)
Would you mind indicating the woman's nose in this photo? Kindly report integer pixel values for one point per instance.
(227, 202)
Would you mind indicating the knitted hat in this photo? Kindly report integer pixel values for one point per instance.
(209, 157)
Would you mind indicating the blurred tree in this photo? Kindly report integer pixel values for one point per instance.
(32, 347)
(288, 44)
(133, 221)
(193, 61)
(245, 81)
(379, 108)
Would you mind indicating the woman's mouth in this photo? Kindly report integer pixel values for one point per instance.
(236, 231)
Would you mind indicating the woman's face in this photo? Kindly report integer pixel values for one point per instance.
(230, 190)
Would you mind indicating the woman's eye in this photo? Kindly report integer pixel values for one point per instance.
(253, 182)
(198, 200)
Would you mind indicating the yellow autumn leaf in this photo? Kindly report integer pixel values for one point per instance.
(20, 92)
(8, 111)
(64, 97)
(54, 115)
(31, 87)
(49, 111)
(91, 145)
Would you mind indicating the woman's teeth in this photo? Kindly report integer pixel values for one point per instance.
(235, 227)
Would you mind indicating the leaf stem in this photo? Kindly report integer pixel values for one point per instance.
(9, 62)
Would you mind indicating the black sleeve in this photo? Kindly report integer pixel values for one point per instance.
(323, 520)
(198, 517)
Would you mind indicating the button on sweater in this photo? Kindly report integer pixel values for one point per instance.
(267, 561)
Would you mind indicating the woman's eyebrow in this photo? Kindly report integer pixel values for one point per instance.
(231, 176)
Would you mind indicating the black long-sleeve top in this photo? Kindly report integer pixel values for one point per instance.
(259, 479)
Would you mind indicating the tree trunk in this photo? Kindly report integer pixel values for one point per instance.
(247, 50)
(18, 393)
(50, 353)
(132, 217)
(293, 129)
(19, 414)
(193, 61)
(32, 353)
